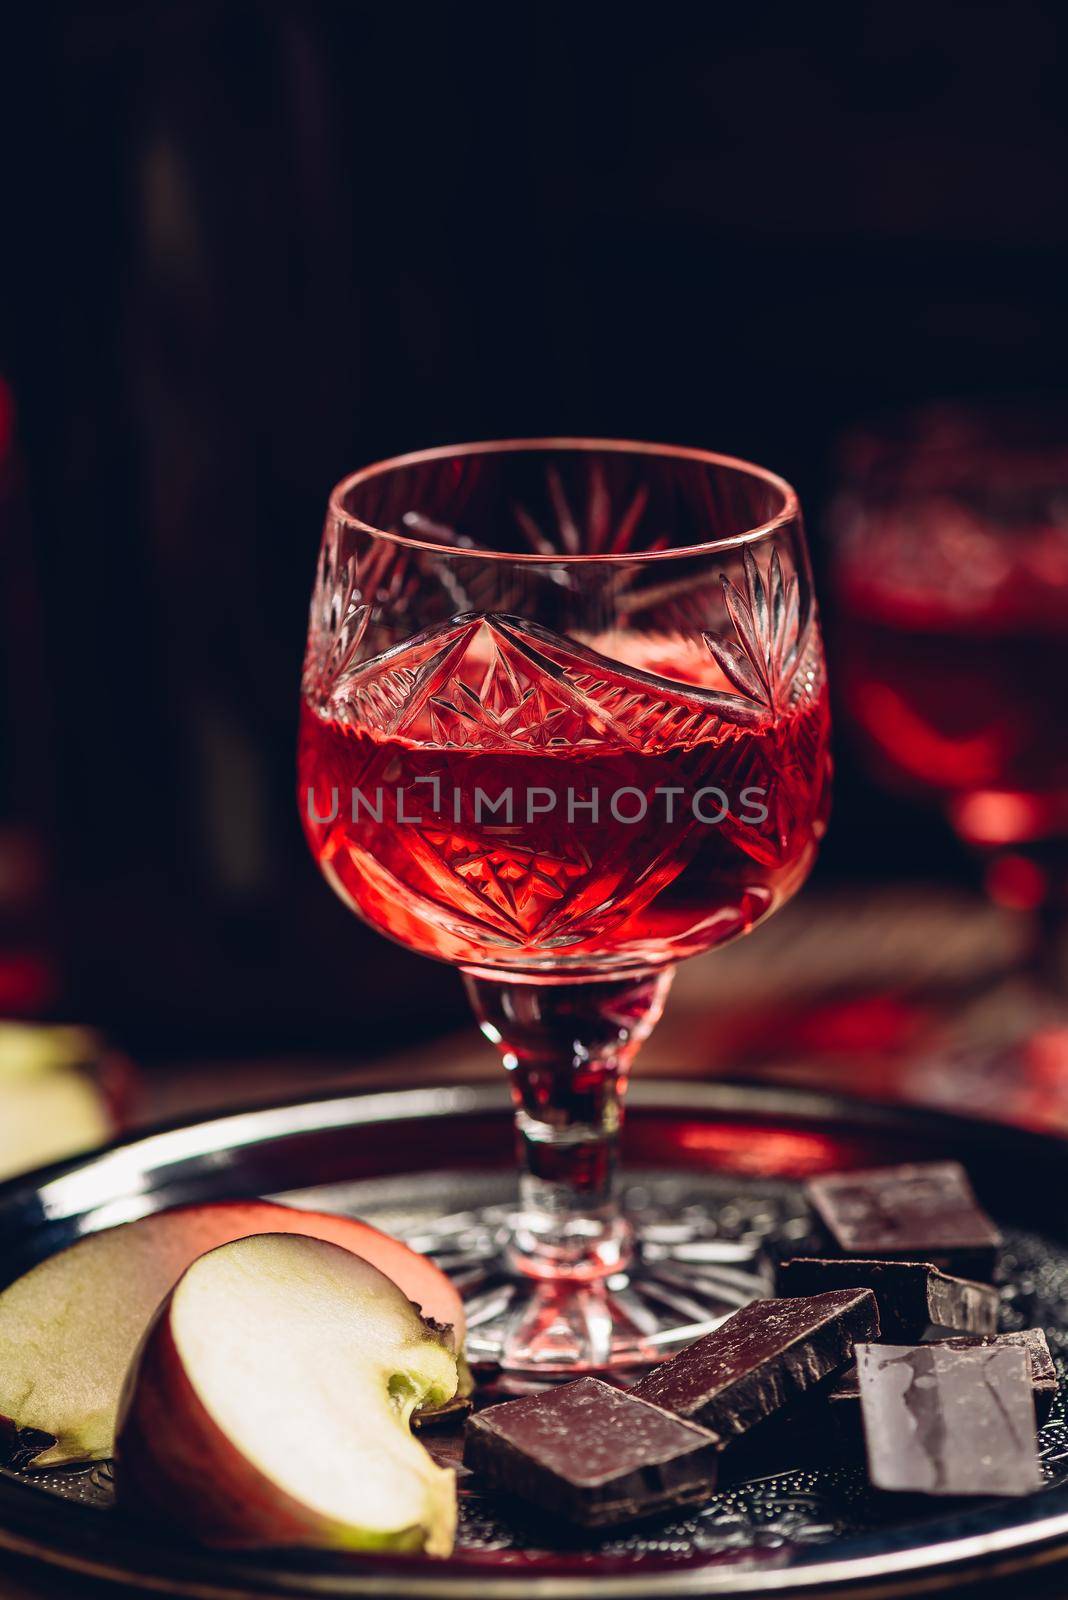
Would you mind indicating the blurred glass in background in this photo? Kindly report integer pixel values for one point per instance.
(951, 599)
(951, 590)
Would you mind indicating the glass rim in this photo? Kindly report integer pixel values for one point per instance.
(787, 513)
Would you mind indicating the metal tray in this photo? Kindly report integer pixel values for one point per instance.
(404, 1158)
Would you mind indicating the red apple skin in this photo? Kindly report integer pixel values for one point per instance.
(424, 1283)
(174, 1464)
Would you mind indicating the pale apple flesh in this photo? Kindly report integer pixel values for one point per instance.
(70, 1326)
(52, 1105)
(270, 1405)
(48, 1118)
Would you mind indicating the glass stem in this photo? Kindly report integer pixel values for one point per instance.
(568, 1049)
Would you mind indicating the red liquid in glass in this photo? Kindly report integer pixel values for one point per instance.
(964, 701)
(557, 890)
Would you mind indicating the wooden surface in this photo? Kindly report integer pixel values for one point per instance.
(892, 994)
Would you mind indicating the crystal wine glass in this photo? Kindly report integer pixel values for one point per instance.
(564, 724)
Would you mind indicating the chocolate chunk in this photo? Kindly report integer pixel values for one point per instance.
(914, 1298)
(593, 1454)
(845, 1395)
(763, 1357)
(824, 1428)
(925, 1212)
(447, 1449)
(799, 1437)
(1044, 1384)
(946, 1421)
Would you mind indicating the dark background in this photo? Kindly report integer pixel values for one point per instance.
(250, 247)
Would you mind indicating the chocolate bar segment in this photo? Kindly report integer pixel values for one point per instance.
(946, 1421)
(592, 1453)
(924, 1212)
(762, 1358)
(797, 1438)
(915, 1299)
(825, 1429)
(845, 1395)
(1044, 1383)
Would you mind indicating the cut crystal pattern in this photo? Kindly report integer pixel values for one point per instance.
(716, 691)
(601, 530)
(767, 625)
(510, 887)
(337, 617)
(496, 683)
(345, 591)
(485, 686)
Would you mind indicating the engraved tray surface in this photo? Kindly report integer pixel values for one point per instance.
(403, 1159)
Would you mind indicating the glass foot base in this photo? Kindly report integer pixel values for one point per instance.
(682, 1281)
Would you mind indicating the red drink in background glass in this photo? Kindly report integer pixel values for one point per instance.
(952, 581)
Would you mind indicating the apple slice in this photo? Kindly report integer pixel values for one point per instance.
(49, 1117)
(69, 1327)
(34, 1050)
(270, 1404)
(52, 1104)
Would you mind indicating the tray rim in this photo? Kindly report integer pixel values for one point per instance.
(184, 1137)
(969, 1547)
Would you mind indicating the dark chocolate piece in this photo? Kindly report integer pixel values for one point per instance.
(593, 1454)
(447, 1449)
(946, 1421)
(824, 1427)
(925, 1212)
(762, 1358)
(800, 1436)
(914, 1298)
(845, 1395)
(1044, 1383)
